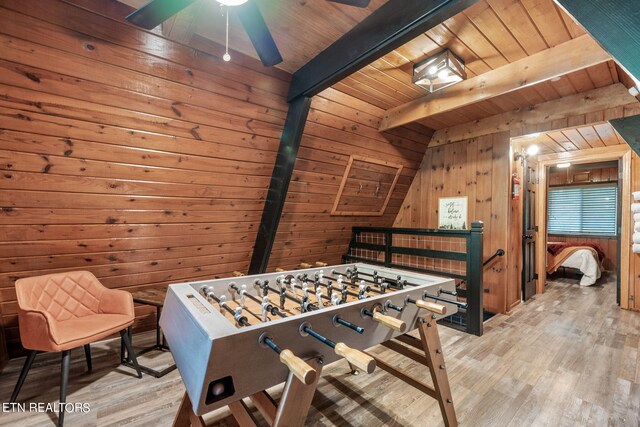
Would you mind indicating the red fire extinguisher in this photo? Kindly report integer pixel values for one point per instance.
(515, 181)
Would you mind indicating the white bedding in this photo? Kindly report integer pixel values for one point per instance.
(584, 261)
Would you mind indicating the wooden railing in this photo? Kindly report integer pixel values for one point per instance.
(451, 253)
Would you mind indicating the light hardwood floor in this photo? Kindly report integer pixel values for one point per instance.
(568, 357)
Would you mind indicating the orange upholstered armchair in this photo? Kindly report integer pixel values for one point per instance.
(60, 312)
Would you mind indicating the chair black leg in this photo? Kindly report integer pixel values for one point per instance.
(23, 374)
(64, 379)
(87, 353)
(131, 354)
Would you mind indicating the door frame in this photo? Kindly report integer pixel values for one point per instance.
(620, 153)
(536, 225)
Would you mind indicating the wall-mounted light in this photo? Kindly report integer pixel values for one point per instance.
(563, 165)
(532, 150)
(439, 71)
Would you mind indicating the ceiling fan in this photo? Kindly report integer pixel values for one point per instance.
(155, 12)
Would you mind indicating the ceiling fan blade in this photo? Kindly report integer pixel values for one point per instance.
(156, 12)
(356, 3)
(258, 32)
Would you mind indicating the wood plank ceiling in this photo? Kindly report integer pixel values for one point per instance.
(572, 139)
(488, 35)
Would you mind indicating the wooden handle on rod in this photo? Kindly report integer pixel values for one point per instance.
(357, 358)
(298, 367)
(279, 270)
(305, 265)
(238, 273)
(321, 264)
(389, 321)
(432, 306)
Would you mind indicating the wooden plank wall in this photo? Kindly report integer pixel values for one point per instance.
(123, 153)
(514, 251)
(479, 169)
(340, 125)
(147, 162)
(566, 176)
(4, 353)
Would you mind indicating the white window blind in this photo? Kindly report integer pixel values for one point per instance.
(589, 210)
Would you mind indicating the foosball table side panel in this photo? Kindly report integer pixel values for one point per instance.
(192, 349)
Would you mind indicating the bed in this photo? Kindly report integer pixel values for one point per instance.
(584, 256)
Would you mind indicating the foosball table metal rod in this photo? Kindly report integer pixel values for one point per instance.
(265, 303)
(337, 320)
(355, 357)
(207, 292)
(298, 367)
(462, 305)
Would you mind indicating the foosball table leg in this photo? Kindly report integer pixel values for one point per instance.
(185, 416)
(429, 343)
(242, 415)
(296, 398)
(293, 407)
(435, 358)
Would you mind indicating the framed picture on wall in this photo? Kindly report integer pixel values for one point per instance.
(452, 213)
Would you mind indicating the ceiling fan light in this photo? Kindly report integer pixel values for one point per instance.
(232, 2)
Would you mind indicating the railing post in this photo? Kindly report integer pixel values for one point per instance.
(475, 291)
(388, 242)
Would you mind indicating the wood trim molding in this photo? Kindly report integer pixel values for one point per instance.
(625, 232)
(582, 103)
(585, 156)
(616, 152)
(345, 177)
(565, 58)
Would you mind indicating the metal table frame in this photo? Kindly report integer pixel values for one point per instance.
(160, 345)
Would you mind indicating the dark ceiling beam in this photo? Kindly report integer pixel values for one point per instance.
(629, 130)
(389, 27)
(614, 24)
(279, 185)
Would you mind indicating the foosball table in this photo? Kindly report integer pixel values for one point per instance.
(234, 338)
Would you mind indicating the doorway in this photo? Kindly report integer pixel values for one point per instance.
(620, 154)
(556, 147)
(582, 221)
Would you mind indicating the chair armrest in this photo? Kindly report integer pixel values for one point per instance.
(37, 329)
(114, 301)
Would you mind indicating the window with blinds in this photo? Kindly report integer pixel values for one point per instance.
(586, 210)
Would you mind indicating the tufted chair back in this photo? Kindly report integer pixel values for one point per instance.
(63, 295)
